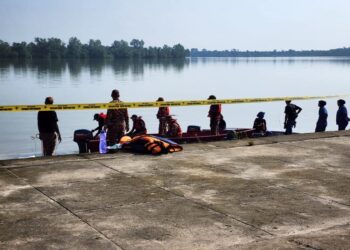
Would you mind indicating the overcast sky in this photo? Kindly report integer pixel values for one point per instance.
(210, 24)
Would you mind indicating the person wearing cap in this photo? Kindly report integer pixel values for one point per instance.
(100, 118)
(260, 123)
(291, 113)
(117, 121)
(342, 115)
(163, 112)
(214, 114)
(322, 117)
(48, 129)
(138, 127)
(174, 129)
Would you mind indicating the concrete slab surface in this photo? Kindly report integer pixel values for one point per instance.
(286, 192)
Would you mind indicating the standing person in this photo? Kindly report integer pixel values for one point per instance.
(259, 125)
(174, 129)
(48, 129)
(163, 112)
(322, 117)
(291, 113)
(117, 121)
(138, 127)
(100, 118)
(215, 115)
(342, 115)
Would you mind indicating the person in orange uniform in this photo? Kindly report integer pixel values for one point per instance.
(117, 121)
(174, 129)
(163, 112)
(139, 126)
(215, 116)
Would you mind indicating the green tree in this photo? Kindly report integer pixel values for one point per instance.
(20, 50)
(120, 49)
(5, 49)
(74, 48)
(96, 50)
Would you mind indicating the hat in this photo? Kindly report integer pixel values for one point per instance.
(288, 100)
(341, 102)
(96, 117)
(322, 103)
(260, 114)
(211, 97)
(160, 99)
(133, 116)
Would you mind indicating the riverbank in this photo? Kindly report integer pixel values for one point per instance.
(283, 192)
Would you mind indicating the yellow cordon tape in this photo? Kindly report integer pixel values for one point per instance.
(88, 106)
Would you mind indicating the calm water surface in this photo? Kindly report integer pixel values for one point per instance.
(77, 82)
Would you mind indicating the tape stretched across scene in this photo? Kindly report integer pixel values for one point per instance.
(121, 105)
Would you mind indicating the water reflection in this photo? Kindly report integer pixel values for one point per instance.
(54, 69)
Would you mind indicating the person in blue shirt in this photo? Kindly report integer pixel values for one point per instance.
(322, 117)
(342, 115)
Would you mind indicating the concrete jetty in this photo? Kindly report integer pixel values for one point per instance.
(286, 192)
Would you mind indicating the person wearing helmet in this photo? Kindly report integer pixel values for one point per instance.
(138, 127)
(260, 123)
(174, 129)
(100, 118)
(117, 121)
(215, 115)
(163, 112)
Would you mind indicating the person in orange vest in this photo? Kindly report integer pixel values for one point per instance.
(100, 118)
(215, 115)
(163, 112)
(174, 129)
(117, 121)
(139, 126)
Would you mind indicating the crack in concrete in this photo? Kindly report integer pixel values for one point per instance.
(68, 210)
(202, 205)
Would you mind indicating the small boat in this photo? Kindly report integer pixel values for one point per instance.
(87, 143)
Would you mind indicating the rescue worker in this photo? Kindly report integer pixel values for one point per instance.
(48, 129)
(138, 127)
(260, 123)
(163, 112)
(342, 115)
(291, 113)
(222, 123)
(174, 129)
(322, 117)
(117, 121)
(100, 118)
(214, 115)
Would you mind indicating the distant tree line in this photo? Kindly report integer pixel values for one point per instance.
(283, 53)
(55, 48)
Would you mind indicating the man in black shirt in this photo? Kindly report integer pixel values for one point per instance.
(291, 113)
(48, 129)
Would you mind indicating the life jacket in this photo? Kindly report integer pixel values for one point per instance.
(174, 129)
(152, 145)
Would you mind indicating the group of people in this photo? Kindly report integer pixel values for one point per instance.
(116, 122)
(292, 111)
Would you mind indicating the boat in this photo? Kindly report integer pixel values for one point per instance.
(194, 134)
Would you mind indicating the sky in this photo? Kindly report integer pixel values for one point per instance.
(209, 24)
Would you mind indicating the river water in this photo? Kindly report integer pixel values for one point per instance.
(189, 79)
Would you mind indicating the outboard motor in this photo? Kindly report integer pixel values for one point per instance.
(82, 137)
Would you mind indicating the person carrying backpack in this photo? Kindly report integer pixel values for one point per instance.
(291, 113)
